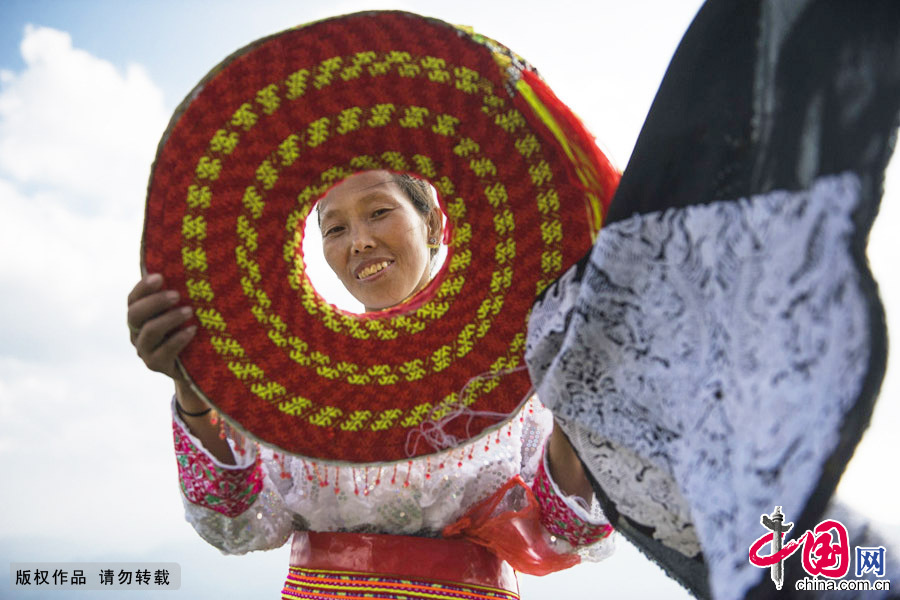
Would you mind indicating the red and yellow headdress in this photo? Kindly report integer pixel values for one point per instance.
(262, 137)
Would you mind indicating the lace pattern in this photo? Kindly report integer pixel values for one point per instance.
(560, 519)
(659, 504)
(415, 497)
(702, 360)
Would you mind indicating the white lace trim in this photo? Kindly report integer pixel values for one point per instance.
(659, 503)
(721, 345)
(242, 461)
(593, 515)
(419, 498)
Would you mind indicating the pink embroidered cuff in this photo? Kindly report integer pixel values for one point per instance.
(559, 518)
(227, 491)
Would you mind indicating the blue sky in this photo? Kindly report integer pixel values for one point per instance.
(86, 89)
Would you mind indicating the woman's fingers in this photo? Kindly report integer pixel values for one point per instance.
(147, 307)
(147, 285)
(162, 359)
(156, 330)
(145, 301)
(154, 322)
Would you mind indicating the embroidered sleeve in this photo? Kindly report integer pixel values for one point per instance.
(235, 508)
(563, 517)
(571, 526)
(226, 489)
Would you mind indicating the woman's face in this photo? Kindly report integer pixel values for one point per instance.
(375, 240)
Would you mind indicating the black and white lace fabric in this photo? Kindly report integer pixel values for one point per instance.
(702, 360)
(720, 349)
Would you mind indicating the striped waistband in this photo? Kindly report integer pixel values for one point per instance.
(323, 584)
(423, 561)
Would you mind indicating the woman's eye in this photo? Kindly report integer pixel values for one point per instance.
(380, 211)
(333, 230)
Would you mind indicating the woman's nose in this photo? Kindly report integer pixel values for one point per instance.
(362, 239)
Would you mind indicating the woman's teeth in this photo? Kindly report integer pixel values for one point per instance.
(372, 269)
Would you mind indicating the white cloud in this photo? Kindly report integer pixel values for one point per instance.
(85, 445)
(63, 276)
(76, 141)
(71, 121)
(78, 411)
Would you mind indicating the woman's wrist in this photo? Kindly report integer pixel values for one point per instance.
(188, 403)
(201, 426)
(183, 413)
(566, 468)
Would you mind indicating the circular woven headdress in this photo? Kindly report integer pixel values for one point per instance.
(269, 130)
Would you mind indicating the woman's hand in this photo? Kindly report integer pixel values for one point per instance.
(154, 322)
(566, 468)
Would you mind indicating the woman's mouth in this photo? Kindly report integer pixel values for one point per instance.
(373, 269)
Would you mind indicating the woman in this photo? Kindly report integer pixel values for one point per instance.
(380, 233)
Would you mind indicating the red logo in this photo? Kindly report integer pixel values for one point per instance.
(826, 548)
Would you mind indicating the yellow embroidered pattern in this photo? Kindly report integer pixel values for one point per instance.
(266, 102)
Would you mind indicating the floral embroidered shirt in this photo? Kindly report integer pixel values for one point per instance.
(258, 502)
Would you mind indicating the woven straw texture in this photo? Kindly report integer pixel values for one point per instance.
(268, 131)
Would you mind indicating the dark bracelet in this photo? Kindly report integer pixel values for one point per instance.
(185, 413)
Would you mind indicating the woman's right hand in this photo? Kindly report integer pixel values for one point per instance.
(154, 322)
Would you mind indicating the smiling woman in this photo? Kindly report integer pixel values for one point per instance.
(380, 233)
(363, 408)
(377, 239)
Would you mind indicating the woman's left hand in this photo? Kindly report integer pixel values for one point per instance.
(566, 468)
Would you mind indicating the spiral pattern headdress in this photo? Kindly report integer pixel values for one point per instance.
(269, 130)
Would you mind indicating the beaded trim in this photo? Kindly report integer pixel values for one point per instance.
(516, 174)
(227, 491)
(559, 518)
(316, 584)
